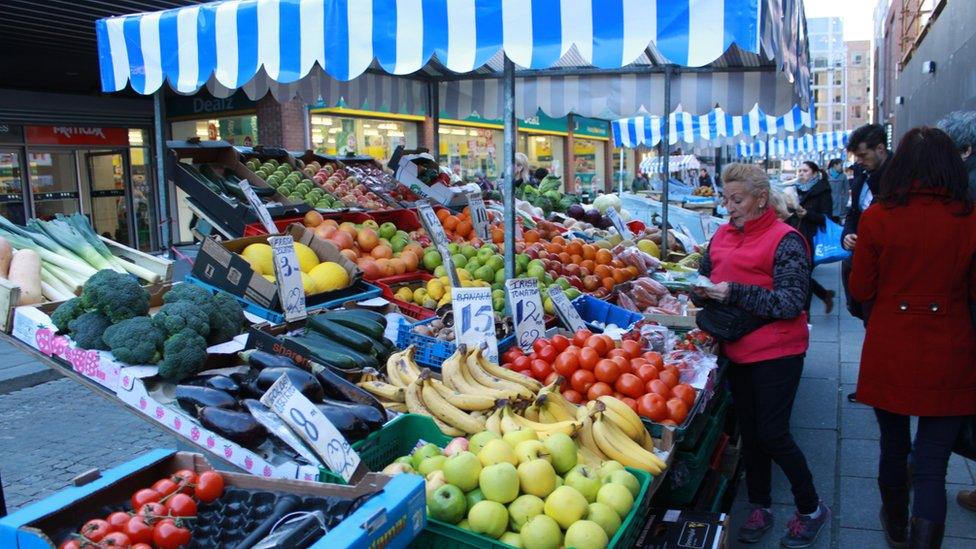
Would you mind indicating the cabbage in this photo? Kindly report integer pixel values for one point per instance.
(605, 201)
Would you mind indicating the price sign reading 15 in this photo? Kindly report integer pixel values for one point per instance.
(288, 277)
(526, 308)
(474, 319)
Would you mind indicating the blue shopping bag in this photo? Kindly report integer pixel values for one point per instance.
(827, 246)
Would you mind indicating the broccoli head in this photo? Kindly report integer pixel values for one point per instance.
(118, 296)
(226, 318)
(175, 317)
(201, 297)
(86, 331)
(184, 354)
(135, 341)
(66, 312)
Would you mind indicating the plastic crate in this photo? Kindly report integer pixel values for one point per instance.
(689, 467)
(391, 284)
(430, 351)
(715, 407)
(405, 220)
(400, 437)
(594, 310)
(257, 229)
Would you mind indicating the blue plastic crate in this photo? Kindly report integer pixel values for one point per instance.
(594, 310)
(359, 291)
(432, 352)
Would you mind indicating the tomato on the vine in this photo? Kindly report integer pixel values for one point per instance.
(138, 530)
(181, 505)
(116, 540)
(560, 342)
(165, 486)
(117, 520)
(144, 496)
(210, 486)
(167, 535)
(96, 529)
(70, 544)
(184, 479)
(152, 511)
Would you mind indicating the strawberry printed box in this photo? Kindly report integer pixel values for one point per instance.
(138, 390)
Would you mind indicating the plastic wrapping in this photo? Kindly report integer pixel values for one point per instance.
(631, 255)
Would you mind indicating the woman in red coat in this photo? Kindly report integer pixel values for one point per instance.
(915, 267)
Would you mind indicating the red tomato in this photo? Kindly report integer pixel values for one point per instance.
(630, 385)
(117, 520)
(598, 344)
(521, 363)
(637, 362)
(511, 354)
(618, 395)
(588, 358)
(607, 371)
(581, 381)
(573, 396)
(548, 353)
(538, 344)
(181, 505)
(554, 377)
(167, 535)
(165, 486)
(116, 539)
(573, 349)
(659, 387)
(184, 478)
(653, 407)
(526, 373)
(623, 363)
(654, 358)
(677, 410)
(560, 342)
(668, 377)
(540, 369)
(70, 544)
(647, 372)
(141, 546)
(631, 347)
(96, 529)
(150, 512)
(144, 496)
(617, 352)
(610, 343)
(674, 369)
(580, 337)
(685, 392)
(598, 390)
(566, 364)
(630, 402)
(138, 531)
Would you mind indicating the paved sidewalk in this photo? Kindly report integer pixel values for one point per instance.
(840, 440)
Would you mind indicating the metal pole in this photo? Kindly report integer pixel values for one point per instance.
(162, 185)
(766, 161)
(434, 111)
(666, 160)
(508, 185)
(621, 171)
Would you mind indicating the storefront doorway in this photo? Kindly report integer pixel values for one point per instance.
(53, 182)
(110, 192)
(12, 186)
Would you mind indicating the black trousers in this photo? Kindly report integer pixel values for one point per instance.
(930, 459)
(762, 394)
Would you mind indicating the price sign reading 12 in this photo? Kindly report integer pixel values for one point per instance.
(474, 319)
(288, 277)
(526, 307)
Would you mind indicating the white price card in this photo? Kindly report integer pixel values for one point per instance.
(288, 277)
(619, 224)
(263, 216)
(479, 215)
(525, 304)
(474, 319)
(567, 313)
(310, 423)
(437, 235)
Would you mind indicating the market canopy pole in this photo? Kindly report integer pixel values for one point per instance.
(508, 186)
(434, 111)
(666, 161)
(162, 186)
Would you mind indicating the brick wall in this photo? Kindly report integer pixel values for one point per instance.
(282, 124)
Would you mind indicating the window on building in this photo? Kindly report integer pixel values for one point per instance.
(237, 130)
(370, 137)
(837, 116)
(470, 152)
(858, 59)
(857, 111)
(837, 98)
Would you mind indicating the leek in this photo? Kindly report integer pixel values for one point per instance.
(81, 225)
(53, 288)
(64, 260)
(65, 235)
(73, 283)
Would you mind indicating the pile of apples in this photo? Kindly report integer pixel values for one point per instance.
(378, 250)
(344, 185)
(523, 491)
(592, 366)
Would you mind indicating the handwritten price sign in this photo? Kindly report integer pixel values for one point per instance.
(525, 304)
(567, 313)
(288, 276)
(474, 319)
(263, 216)
(619, 224)
(479, 215)
(437, 235)
(311, 425)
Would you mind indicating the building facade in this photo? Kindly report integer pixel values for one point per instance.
(828, 53)
(858, 82)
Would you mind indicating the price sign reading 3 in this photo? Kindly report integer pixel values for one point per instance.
(526, 307)
(474, 319)
(288, 276)
(479, 215)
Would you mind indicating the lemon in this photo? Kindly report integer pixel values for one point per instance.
(435, 289)
(308, 283)
(463, 274)
(307, 260)
(444, 300)
(260, 255)
(445, 280)
(649, 247)
(255, 266)
(330, 276)
(404, 294)
(270, 278)
(419, 295)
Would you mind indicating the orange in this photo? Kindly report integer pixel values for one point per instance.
(604, 257)
(633, 270)
(576, 258)
(554, 248)
(497, 236)
(589, 251)
(564, 258)
(617, 264)
(603, 271)
(575, 247)
(589, 265)
(530, 236)
(466, 211)
(442, 213)
(609, 283)
(450, 222)
(620, 275)
(463, 228)
(559, 240)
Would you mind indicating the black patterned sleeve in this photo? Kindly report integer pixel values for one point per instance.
(704, 269)
(791, 282)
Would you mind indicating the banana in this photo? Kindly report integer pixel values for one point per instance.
(624, 417)
(545, 414)
(383, 390)
(369, 374)
(514, 422)
(450, 415)
(616, 445)
(395, 407)
(508, 375)
(416, 405)
(646, 441)
(585, 438)
(482, 377)
(508, 423)
(551, 403)
(493, 422)
(453, 372)
(532, 412)
(461, 400)
(590, 458)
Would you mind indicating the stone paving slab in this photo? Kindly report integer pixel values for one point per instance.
(815, 406)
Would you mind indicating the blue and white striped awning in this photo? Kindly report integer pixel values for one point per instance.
(677, 163)
(793, 146)
(716, 127)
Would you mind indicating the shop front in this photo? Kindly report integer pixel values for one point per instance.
(340, 131)
(232, 119)
(590, 143)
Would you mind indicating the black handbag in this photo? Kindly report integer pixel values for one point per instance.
(728, 323)
(966, 439)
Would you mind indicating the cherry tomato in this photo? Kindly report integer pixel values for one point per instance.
(548, 353)
(573, 396)
(566, 363)
(647, 372)
(96, 529)
(630, 385)
(538, 344)
(167, 535)
(580, 337)
(138, 531)
(617, 352)
(144, 496)
(150, 512)
(654, 358)
(117, 520)
(581, 381)
(165, 486)
(588, 358)
(653, 407)
(70, 544)
(607, 371)
(659, 387)
(521, 363)
(668, 377)
(560, 342)
(677, 410)
(685, 392)
(540, 369)
(117, 540)
(598, 344)
(181, 505)
(598, 390)
(184, 478)
(631, 347)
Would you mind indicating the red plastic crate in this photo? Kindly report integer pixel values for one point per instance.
(411, 310)
(405, 220)
(257, 229)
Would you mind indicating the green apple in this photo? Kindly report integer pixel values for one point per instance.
(513, 438)
(372, 224)
(491, 246)
(500, 275)
(431, 464)
(462, 470)
(440, 271)
(537, 477)
(496, 262)
(559, 481)
(528, 450)
(485, 254)
(404, 459)
(464, 524)
(453, 248)
(499, 482)
(541, 532)
(402, 234)
(566, 506)
(608, 467)
(497, 451)
(485, 274)
(469, 251)
(564, 284)
(627, 479)
(473, 497)
(478, 441)
(586, 534)
(489, 518)
(422, 453)
(607, 518)
(387, 230)
(432, 259)
(447, 504)
(434, 481)
(522, 509)
(473, 265)
(573, 293)
(459, 261)
(397, 468)
(511, 538)
(617, 496)
(585, 481)
(563, 452)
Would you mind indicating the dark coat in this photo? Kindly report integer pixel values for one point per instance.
(819, 206)
(917, 264)
(862, 178)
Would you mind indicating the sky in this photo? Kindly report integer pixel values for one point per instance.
(857, 14)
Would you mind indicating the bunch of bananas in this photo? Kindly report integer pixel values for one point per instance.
(611, 430)
(401, 371)
(548, 413)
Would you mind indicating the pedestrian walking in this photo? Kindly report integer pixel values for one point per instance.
(915, 272)
(840, 190)
(815, 207)
(760, 267)
(704, 180)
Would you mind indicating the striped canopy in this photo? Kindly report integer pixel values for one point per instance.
(793, 146)
(677, 163)
(716, 127)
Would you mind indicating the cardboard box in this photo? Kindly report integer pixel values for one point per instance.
(391, 518)
(683, 529)
(407, 165)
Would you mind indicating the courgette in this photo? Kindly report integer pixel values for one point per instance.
(264, 359)
(362, 325)
(341, 334)
(318, 343)
(357, 313)
(322, 351)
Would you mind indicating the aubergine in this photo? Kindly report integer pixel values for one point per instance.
(351, 426)
(235, 426)
(192, 398)
(218, 382)
(337, 388)
(302, 380)
(263, 359)
(375, 419)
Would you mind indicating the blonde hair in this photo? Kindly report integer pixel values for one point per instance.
(752, 175)
(777, 201)
(522, 160)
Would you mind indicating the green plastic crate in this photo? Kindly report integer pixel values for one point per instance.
(400, 436)
(695, 431)
(689, 467)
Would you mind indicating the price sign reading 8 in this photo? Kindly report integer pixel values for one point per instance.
(310, 429)
(526, 305)
(288, 277)
(474, 319)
